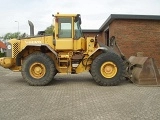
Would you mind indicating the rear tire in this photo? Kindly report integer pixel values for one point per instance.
(38, 69)
(108, 69)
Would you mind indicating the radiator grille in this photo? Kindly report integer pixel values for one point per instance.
(16, 49)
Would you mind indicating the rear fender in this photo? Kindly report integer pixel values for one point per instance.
(19, 56)
(39, 45)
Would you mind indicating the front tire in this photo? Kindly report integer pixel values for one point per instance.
(108, 69)
(38, 69)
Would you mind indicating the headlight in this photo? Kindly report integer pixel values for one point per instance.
(9, 50)
(9, 46)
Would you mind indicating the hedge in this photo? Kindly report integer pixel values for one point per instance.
(2, 54)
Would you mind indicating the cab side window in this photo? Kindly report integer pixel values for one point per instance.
(65, 27)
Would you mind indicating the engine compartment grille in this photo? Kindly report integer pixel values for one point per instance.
(16, 49)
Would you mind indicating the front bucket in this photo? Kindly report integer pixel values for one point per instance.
(144, 71)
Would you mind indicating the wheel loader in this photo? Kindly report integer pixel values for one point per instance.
(39, 58)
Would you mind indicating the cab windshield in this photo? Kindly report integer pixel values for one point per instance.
(77, 27)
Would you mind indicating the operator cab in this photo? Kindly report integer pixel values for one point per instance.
(68, 33)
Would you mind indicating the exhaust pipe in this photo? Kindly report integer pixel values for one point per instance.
(31, 28)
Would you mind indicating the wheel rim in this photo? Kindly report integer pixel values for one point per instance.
(108, 69)
(37, 70)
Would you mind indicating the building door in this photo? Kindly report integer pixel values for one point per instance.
(107, 37)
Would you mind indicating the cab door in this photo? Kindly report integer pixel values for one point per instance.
(64, 37)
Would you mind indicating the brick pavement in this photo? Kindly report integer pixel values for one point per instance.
(75, 97)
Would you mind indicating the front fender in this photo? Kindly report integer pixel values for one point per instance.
(103, 49)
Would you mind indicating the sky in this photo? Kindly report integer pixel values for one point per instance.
(93, 12)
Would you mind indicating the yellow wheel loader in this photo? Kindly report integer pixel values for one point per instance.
(39, 58)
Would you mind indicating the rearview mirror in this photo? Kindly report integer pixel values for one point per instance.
(78, 18)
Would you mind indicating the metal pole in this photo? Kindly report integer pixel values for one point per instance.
(18, 28)
(18, 25)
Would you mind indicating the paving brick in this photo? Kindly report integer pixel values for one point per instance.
(75, 97)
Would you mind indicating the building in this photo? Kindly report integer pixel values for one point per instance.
(133, 33)
(2, 47)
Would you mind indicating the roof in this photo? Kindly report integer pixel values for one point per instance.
(2, 45)
(65, 15)
(90, 30)
(123, 16)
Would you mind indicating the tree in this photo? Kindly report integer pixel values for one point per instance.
(11, 35)
(14, 35)
(49, 30)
